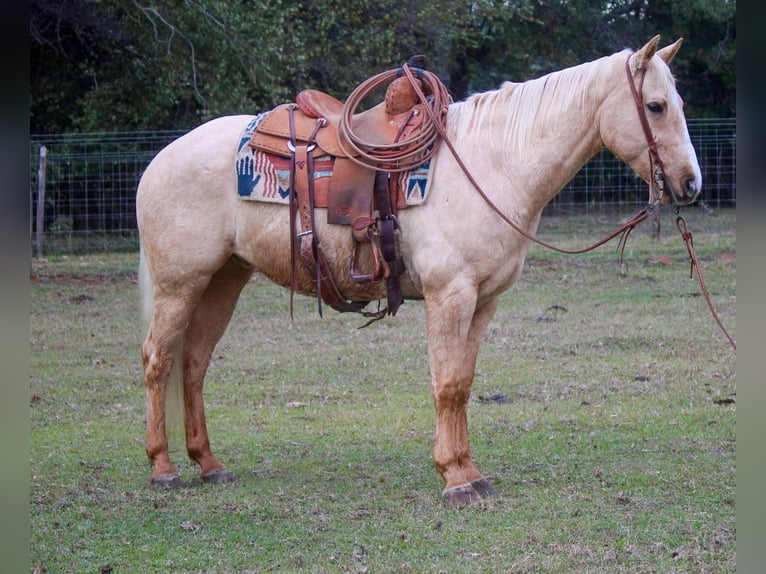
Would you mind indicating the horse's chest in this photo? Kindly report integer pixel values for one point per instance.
(503, 277)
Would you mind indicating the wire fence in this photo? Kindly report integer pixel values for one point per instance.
(90, 184)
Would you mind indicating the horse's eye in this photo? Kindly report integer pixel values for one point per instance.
(655, 107)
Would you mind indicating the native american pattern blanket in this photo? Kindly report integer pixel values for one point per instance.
(266, 177)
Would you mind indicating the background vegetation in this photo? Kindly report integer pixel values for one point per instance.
(614, 452)
(106, 65)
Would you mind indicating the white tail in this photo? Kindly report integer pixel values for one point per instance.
(174, 389)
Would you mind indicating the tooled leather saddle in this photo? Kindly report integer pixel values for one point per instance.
(361, 192)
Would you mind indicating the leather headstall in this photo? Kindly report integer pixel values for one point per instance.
(657, 182)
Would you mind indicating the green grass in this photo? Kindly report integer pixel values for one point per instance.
(614, 453)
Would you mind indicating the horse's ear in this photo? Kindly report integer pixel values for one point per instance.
(669, 52)
(641, 58)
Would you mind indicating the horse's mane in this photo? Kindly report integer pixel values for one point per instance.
(520, 110)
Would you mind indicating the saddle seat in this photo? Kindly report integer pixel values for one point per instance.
(374, 126)
(316, 104)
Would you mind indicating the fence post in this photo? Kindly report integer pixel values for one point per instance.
(40, 221)
(656, 224)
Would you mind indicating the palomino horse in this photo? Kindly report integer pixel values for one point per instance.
(200, 243)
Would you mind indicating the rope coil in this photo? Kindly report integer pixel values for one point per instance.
(404, 155)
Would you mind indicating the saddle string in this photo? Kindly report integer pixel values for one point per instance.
(293, 209)
(624, 231)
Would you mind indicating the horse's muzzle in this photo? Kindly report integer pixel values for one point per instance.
(690, 189)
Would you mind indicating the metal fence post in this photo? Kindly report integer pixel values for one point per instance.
(40, 221)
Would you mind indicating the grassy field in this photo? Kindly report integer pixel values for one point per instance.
(615, 451)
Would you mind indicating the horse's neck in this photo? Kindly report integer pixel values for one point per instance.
(535, 151)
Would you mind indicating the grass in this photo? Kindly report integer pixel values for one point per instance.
(614, 453)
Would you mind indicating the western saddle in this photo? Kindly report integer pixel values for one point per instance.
(367, 148)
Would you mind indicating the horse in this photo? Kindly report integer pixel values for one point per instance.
(522, 143)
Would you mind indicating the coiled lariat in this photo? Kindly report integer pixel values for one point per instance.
(419, 146)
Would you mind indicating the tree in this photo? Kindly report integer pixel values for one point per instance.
(170, 64)
(707, 71)
(522, 39)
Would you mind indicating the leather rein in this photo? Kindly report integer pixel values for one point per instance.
(656, 188)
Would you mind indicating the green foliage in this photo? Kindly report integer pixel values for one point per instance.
(164, 64)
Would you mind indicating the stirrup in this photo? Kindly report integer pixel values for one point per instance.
(364, 231)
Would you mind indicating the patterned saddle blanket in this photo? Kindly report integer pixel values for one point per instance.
(263, 176)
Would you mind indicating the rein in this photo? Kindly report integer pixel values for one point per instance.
(656, 190)
(624, 231)
(695, 266)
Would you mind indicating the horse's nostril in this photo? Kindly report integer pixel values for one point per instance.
(690, 187)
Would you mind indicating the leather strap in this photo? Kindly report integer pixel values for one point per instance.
(388, 241)
(695, 266)
(302, 183)
(293, 208)
(302, 200)
(657, 181)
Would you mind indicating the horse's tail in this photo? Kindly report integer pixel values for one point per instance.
(174, 389)
(145, 293)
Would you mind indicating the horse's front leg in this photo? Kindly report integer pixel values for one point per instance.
(455, 330)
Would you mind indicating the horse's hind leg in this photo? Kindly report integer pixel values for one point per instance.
(160, 350)
(207, 325)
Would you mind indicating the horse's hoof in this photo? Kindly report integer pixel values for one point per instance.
(461, 495)
(484, 488)
(166, 481)
(220, 476)
(469, 493)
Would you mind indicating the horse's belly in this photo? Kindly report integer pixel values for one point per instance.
(263, 240)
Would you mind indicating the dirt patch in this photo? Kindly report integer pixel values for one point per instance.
(727, 257)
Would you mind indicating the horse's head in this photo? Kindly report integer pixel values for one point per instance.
(642, 122)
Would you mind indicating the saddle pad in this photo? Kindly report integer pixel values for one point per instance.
(266, 177)
(415, 184)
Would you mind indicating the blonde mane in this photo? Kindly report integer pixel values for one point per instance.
(518, 111)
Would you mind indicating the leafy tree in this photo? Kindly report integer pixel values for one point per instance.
(707, 70)
(169, 64)
(527, 38)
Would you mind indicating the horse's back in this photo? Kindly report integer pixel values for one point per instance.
(204, 152)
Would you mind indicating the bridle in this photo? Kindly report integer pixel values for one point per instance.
(623, 231)
(656, 188)
(657, 179)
